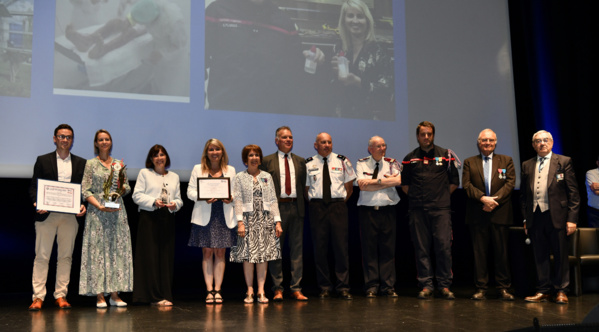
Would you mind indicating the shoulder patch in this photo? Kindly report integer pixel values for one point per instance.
(391, 160)
(342, 157)
(309, 159)
(364, 159)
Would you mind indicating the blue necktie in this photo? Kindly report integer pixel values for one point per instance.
(486, 171)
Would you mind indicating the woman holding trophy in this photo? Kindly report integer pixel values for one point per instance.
(106, 258)
(158, 196)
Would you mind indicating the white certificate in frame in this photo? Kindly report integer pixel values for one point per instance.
(209, 188)
(58, 196)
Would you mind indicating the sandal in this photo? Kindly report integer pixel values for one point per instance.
(218, 299)
(262, 298)
(249, 298)
(210, 297)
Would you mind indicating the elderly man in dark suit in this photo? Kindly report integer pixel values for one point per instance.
(289, 175)
(59, 165)
(489, 179)
(550, 204)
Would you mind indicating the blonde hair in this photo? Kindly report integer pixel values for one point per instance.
(224, 160)
(343, 33)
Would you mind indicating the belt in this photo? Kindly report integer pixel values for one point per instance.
(332, 200)
(287, 200)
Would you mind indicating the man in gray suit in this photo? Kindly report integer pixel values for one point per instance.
(289, 175)
(550, 204)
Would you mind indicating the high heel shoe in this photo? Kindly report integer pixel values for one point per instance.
(249, 298)
(118, 303)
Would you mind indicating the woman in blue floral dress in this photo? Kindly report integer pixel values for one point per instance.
(106, 258)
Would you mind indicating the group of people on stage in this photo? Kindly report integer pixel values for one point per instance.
(267, 206)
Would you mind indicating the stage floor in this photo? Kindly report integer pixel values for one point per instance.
(405, 313)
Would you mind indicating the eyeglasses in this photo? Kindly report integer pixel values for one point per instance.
(543, 140)
(67, 137)
(487, 140)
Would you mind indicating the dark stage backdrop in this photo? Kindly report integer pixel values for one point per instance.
(552, 66)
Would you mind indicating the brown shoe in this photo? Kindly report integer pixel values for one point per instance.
(278, 296)
(538, 297)
(299, 296)
(62, 303)
(504, 295)
(36, 305)
(561, 298)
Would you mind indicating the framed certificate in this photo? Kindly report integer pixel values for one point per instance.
(58, 196)
(218, 188)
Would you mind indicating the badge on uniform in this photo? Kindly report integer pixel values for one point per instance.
(502, 175)
(559, 176)
(439, 161)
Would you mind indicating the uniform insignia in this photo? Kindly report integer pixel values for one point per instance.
(364, 159)
(309, 159)
(341, 157)
(391, 160)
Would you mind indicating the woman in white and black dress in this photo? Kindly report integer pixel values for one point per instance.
(258, 222)
(158, 196)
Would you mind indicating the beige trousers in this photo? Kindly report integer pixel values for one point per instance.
(64, 228)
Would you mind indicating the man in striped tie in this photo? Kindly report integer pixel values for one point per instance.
(550, 204)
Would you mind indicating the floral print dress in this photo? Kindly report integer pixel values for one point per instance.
(106, 257)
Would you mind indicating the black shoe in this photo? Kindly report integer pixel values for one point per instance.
(345, 295)
(390, 293)
(480, 295)
(447, 294)
(425, 294)
(324, 294)
(370, 294)
(504, 295)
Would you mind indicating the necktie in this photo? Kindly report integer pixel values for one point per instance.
(376, 171)
(287, 177)
(486, 171)
(326, 182)
(541, 163)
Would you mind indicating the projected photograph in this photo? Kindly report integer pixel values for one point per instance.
(331, 58)
(122, 48)
(16, 34)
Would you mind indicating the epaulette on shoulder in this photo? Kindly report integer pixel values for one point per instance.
(342, 157)
(391, 160)
(364, 159)
(309, 159)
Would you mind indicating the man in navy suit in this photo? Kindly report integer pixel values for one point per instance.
(288, 171)
(59, 165)
(489, 180)
(550, 204)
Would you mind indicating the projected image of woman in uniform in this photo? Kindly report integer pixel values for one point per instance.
(363, 69)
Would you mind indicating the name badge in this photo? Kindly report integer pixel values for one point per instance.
(559, 176)
(439, 161)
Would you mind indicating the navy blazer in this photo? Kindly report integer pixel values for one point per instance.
(45, 168)
(562, 190)
(473, 181)
(270, 164)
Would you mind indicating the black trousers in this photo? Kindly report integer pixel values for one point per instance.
(484, 234)
(547, 239)
(329, 222)
(377, 234)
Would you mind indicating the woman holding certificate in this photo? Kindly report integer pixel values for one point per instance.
(212, 217)
(158, 196)
(258, 222)
(106, 259)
